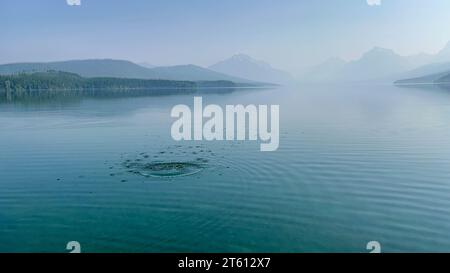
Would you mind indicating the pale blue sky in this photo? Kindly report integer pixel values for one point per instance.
(289, 34)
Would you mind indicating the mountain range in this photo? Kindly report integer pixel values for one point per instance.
(238, 69)
(244, 66)
(439, 78)
(122, 69)
(377, 65)
(380, 65)
(433, 73)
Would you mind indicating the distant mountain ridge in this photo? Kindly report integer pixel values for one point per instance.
(244, 66)
(326, 71)
(122, 69)
(372, 65)
(429, 79)
(147, 65)
(426, 70)
(436, 72)
(380, 65)
(444, 80)
(437, 78)
(443, 55)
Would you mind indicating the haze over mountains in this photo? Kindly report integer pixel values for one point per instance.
(122, 69)
(147, 65)
(244, 66)
(436, 71)
(377, 65)
(374, 64)
(238, 69)
(438, 78)
(380, 65)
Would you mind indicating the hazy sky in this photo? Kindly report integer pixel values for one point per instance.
(289, 34)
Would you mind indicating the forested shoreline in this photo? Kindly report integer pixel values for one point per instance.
(57, 80)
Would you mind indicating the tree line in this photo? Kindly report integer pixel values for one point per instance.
(57, 80)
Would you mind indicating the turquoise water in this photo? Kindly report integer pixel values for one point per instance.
(355, 164)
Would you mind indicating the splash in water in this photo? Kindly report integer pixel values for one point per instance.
(164, 169)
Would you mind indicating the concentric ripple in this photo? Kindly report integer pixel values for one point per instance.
(165, 169)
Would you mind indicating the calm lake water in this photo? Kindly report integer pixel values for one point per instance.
(355, 164)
